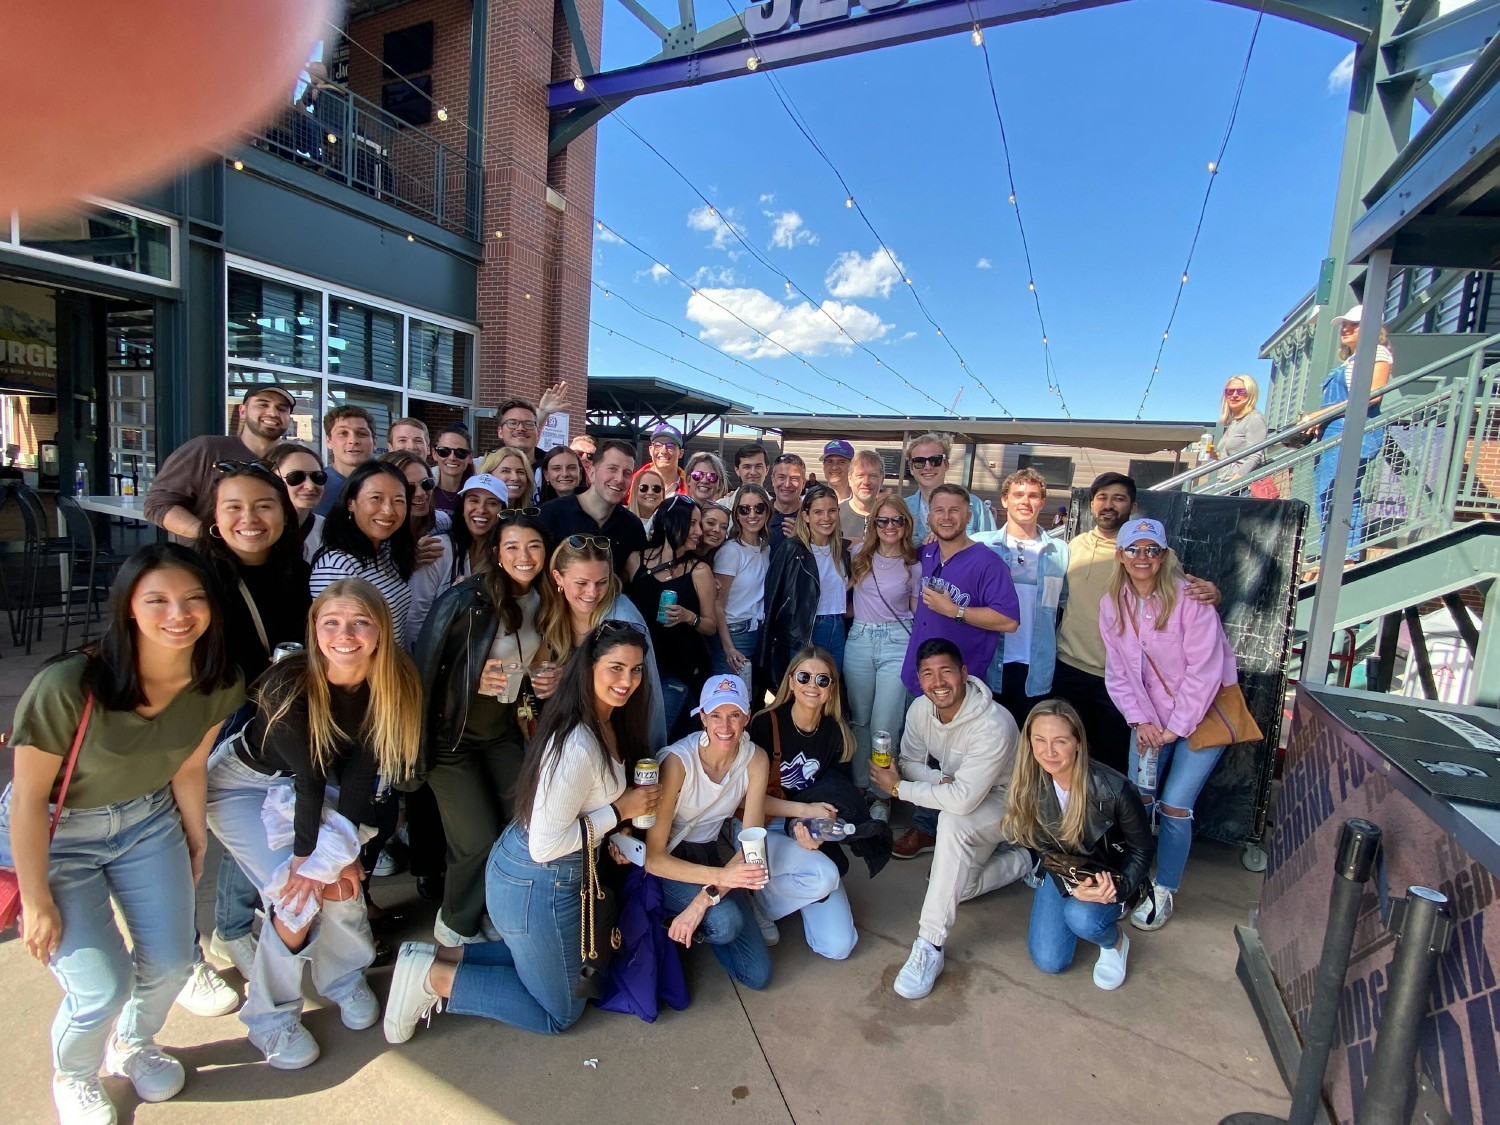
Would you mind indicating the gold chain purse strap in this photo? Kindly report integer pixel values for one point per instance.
(589, 894)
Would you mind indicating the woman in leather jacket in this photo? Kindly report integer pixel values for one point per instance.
(472, 735)
(807, 587)
(1061, 803)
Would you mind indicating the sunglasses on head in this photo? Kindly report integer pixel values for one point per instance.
(822, 679)
(511, 514)
(787, 459)
(451, 451)
(246, 467)
(935, 461)
(650, 489)
(751, 509)
(1151, 552)
(704, 475)
(614, 627)
(319, 477)
(890, 521)
(580, 542)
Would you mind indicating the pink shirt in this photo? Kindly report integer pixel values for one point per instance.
(1191, 654)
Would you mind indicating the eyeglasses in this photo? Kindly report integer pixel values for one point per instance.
(704, 476)
(1152, 552)
(246, 467)
(822, 679)
(294, 478)
(518, 425)
(667, 444)
(451, 451)
(890, 521)
(426, 484)
(650, 489)
(936, 461)
(751, 509)
(578, 542)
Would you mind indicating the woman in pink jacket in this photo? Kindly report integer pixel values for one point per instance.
(1166, 657)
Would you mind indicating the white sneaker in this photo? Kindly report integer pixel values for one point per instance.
(450, 937)
(920, 973)
(359, 1009)
(1154, 910)
(411, 997)
(155, 1074)
(206, 993)
(81, 1101)
(385, 865)
(880, 809)
(1109, 970)
(769, 931)
(290, 1047)
(239, 952)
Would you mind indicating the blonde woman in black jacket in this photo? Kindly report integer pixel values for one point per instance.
(807, 587)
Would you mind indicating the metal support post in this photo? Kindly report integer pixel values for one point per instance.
(1336, 530)
(1423, 929)
(1359, 844)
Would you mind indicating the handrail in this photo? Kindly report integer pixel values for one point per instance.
(1280, 437)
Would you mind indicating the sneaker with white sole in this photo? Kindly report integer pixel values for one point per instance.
(239, 952)
(81, 1101)
(920, 973)
(1109, 970)
(155, 1074)
(290, 1047)
(206, 993)
(386, 865)
(359, 1009)
(411, 997)
(880, 809)
(770, 933)
(1154, 910)
(1034, 877)
(447, 935)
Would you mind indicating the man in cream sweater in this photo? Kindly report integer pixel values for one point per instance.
(957, 724)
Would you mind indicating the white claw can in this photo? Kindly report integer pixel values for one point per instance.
(647, 772)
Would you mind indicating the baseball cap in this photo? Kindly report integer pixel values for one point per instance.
(490, 483)
(1352, 316)
(1150, 530)
(839, 448)
(667, 433)
(273, 388)
(719, 690)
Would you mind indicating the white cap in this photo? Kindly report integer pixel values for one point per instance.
(719, 690)
(1351, 317)
(489, 483)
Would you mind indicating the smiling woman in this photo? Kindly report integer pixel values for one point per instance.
(368, 537)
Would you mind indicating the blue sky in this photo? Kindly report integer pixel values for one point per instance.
(1112, 116)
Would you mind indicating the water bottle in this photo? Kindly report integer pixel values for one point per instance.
(81, 480)
(668, 598)
(827, 829)
(1146, 775)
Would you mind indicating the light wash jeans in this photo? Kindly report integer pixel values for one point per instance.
(135, 853)
(807, 881)
(829, 632)
(746, 638)
(339, 946)
(877, 698)
(526, 979)
(729, 929)
(1058, 921)
(1180, 776)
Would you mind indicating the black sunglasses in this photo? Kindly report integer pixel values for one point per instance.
(650, 489)
(426, 484)
(890, 521)
(822, 679)
(451, 451)
(751, 509)
(788, 459)
(935, 461)
(319, 477)
(579, 542)
(245, 467)
(615, 627)
(511, 514)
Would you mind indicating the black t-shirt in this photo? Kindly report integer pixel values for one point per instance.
(804, 757)
(282, 599)
(565, 516)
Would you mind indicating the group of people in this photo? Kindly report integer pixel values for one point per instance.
(478, 652)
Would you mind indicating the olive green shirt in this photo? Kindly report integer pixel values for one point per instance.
(123, 755)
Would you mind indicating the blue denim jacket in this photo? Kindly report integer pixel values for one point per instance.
(1053, 563)
(981, 516)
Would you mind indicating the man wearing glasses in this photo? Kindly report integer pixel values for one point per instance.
(600, 509)
(666, 458)
(928, 457)
(185, 477)
(521, 424)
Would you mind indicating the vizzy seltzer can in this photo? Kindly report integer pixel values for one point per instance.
(647, 772)
(880, 749)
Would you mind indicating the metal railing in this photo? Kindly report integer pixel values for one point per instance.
(353, 141)
(1429, 459)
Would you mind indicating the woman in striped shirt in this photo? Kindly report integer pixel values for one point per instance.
(367, 536)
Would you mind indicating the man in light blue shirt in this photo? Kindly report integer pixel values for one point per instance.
(927, 455)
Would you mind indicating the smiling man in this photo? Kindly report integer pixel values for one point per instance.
(600, 509)
(350, 434)
(866, 475)
(928, 456)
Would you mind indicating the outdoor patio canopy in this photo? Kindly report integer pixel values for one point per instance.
(1120, 437)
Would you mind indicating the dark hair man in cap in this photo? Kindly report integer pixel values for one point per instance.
(836, 458)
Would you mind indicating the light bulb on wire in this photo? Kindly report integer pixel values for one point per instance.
(977, 36)
(578, 83)
(442, 114)
(752, 62)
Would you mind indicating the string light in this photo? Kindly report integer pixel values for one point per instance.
(333, 138)
(752, 62)
(499, 234)
(411, 238)
(578, 83)
(442, 114)
(1213, 167)
(977, 36)
(239, 165)
(849, 202)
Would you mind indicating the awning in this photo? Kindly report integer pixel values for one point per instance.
(1120, 437)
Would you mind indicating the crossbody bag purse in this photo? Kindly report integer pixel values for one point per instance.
(599, 912)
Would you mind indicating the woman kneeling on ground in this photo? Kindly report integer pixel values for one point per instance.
(1062, 803)
(340, 725)
(594, 723)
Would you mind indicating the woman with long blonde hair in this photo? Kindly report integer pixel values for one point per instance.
(345, 715)
(514, 468)
(1062, 803)
(1241, 426)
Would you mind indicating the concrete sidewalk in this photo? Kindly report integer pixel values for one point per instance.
(997, 1041)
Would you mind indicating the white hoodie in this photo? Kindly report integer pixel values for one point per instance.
(976, 749)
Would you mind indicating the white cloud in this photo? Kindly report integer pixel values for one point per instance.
(657, 273)
(854, 276)
(710, 220)
(788, 230)
(983, 264)
(768, 197)
(800, 327)
(1342, 75)
(713, 275)
(604, 234)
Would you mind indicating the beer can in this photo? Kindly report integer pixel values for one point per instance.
(647, 772)
(282, 651)
(880, 749)
(668, 598)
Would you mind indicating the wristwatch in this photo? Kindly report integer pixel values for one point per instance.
(714, 894)
(960, 616)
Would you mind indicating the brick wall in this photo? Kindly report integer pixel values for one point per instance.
(450, 61)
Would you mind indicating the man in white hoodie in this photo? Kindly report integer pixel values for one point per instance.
(957, 724)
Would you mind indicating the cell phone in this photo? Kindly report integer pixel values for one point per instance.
(631, 848)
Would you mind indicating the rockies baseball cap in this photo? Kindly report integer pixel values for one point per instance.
(719, 690)
(667, 433)
(269, 388)
(1150, 530)
(839, 448)
(490, 483)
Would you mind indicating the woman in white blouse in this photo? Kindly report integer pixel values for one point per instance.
(594, 723)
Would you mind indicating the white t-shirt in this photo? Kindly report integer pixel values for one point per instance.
(524, 644)
(1062, 797)
(1382, 355)
(746, 600)
(832, 586)
(1025, 565)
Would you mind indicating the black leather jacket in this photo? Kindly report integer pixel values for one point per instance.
(450, 654)
(1117, 831)
(792, 589)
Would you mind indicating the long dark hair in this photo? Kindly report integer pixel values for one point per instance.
(572, 705)
(341, 533)
(499, 585)
(402, 458)
(463, 539)
(112, 671)
(672, 523)
(285, 559)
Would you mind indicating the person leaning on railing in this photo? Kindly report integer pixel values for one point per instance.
(1241, 426)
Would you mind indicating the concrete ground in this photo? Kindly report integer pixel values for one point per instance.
(997, 1041)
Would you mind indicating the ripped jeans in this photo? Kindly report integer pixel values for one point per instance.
(1180, 776)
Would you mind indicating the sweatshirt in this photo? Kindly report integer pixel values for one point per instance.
(975, 749)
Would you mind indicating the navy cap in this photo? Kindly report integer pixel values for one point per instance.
(839, 448)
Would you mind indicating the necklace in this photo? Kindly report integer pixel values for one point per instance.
(800, 730)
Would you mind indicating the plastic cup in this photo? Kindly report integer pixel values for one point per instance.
(514, 671)
(753, 844)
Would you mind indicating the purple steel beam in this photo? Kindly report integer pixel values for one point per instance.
(924, 19)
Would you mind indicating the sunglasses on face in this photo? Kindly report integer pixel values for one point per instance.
(935, 461)
(704, 476)
(751, 509)
(1152, 552)
(890, 521)
(822, 679)
(426, 484)
(451, 451)
(579, 542)
(650, 489)
(294, 478)
(1236, 392)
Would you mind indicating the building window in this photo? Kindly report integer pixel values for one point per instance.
(440, 360)
(274, 323)
(1056, 471)
(99, 237)
(364, 343)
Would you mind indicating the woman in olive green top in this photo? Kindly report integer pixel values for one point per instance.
(133, 827)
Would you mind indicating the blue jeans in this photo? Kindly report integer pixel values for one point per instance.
(872, 682)
(1180, 775)
(135, 853)
(828, 633)
(235, 899)
(525, 979)
(1057, 922)
(807, 882)
(1325, 468)
(674, 693)
(731, 930)
(745, 637)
